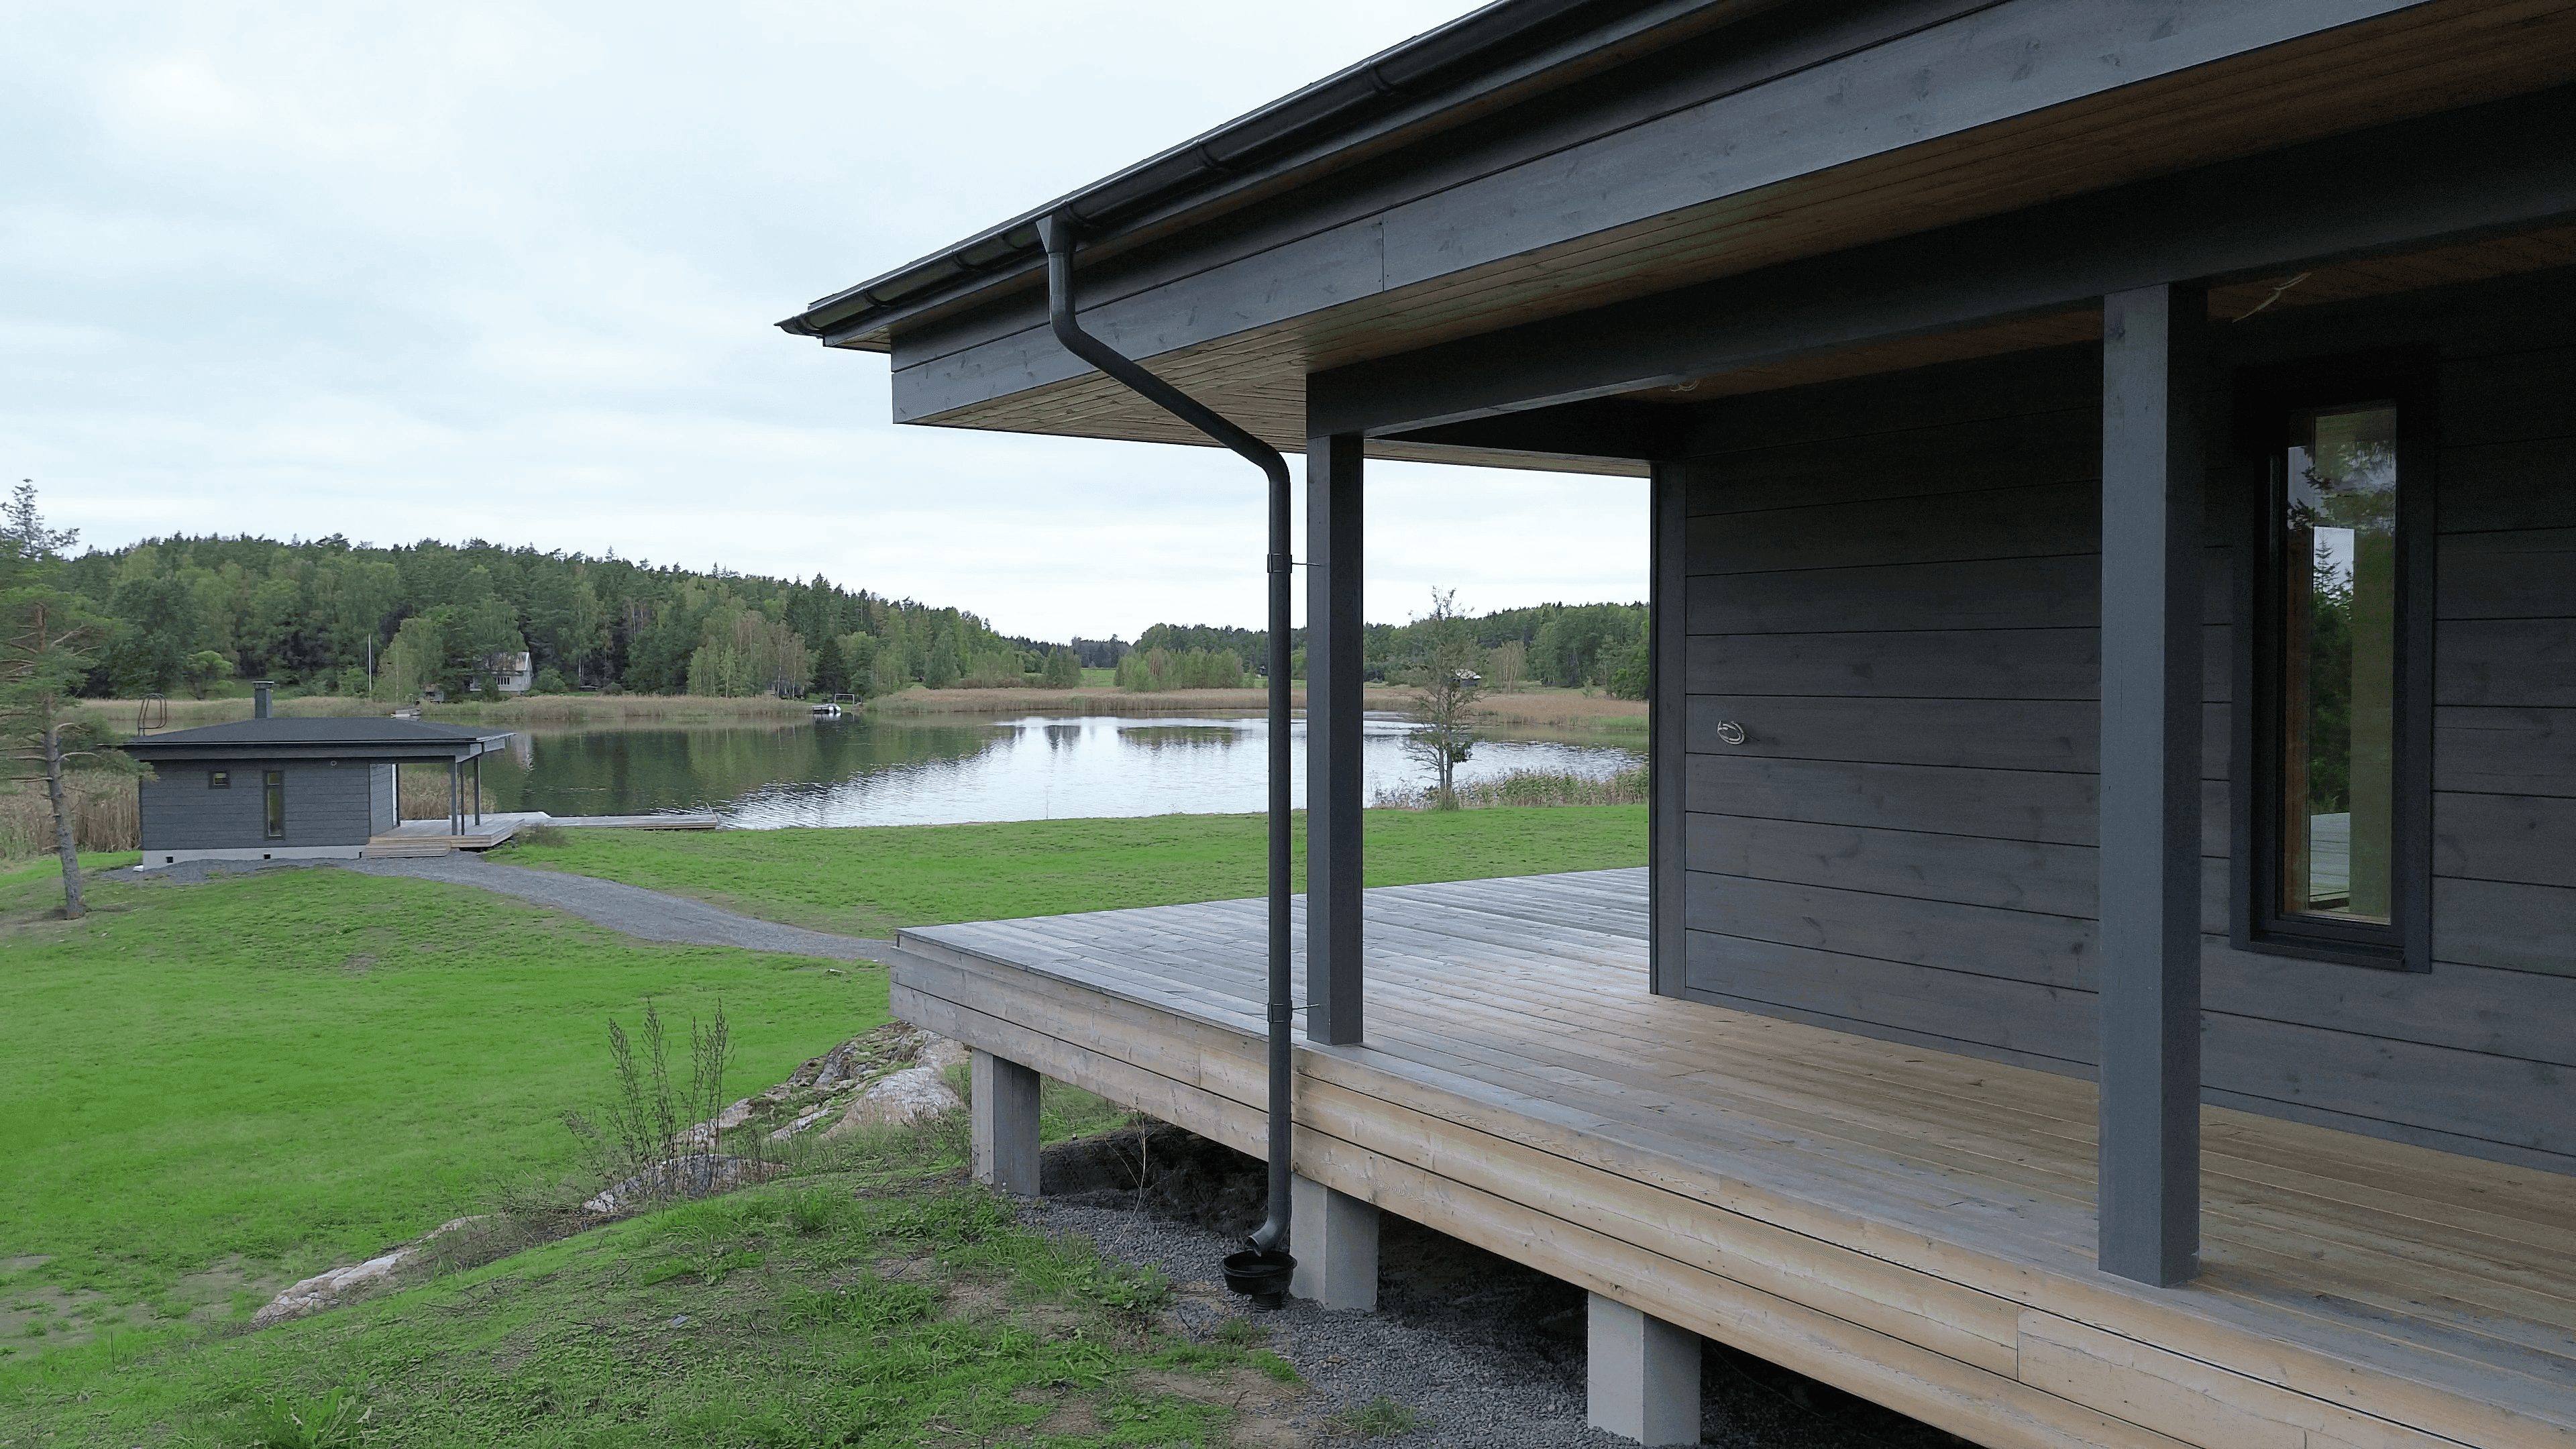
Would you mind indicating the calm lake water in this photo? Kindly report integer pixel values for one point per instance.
(862, 771)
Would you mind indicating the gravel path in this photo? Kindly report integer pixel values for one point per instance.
(631, 909)
(1488, 1352)
(652, 915)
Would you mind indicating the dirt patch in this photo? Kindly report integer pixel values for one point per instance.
(1073, 1418)
(36, 1317)
(1160, 1169)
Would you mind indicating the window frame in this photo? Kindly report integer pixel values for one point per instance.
(2269, 403)
(219, 779)
(272, 804)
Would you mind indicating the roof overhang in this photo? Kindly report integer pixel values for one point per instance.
(1741, 142)
(1444, 77)
(152, 751)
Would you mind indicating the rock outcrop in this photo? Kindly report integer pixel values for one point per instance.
(322, 1290)
(896, 1075)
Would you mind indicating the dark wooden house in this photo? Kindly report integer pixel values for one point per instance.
(2107, 971)
(273, 788)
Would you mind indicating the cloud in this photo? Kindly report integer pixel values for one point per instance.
(398, 271)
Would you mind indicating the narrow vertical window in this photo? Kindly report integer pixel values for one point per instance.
(2338, 666)
(273, 787)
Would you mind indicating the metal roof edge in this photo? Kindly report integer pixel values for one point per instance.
(1478, 48)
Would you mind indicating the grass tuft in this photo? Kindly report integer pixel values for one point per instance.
(1379, 1418)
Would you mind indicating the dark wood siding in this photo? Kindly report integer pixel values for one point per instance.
(325, 805)
(1892, 586)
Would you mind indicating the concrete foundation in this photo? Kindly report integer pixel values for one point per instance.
(1334, 1237)
(1641, 1376)
(1004, 1117)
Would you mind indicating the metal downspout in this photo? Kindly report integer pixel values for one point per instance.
(1270, 1240)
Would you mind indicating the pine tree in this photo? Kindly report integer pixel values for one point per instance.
(46, 635)
(831, 670)
(941, 670)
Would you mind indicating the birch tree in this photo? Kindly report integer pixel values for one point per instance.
(1446, 690)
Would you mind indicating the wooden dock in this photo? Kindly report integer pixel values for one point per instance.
(1912, 1226)
(440, 837)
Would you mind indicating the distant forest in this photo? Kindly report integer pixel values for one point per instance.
(193, 615)
(1602, 645)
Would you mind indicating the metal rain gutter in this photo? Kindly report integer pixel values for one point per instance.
(1264, 1269)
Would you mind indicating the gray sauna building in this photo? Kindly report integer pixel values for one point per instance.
(268, 788)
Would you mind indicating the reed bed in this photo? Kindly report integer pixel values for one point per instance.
(1564, 709)
(121, 716)
(420, 793)
(1524, 787)
(1560, 709)
(105, 816)
(1089, 699)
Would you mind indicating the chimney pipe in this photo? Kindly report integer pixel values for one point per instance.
(259, 689)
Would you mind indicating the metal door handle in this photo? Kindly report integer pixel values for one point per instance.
(1731, 733)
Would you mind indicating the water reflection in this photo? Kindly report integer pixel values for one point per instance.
(862, 771)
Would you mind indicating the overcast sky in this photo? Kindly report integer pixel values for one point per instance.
(509, 270)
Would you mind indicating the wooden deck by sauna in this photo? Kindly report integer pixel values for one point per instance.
(1912, 1226)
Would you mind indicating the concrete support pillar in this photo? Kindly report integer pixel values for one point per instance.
(1641, 1376)
(1336, 1247)
(1004, 1118)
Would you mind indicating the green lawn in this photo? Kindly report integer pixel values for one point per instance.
(205, 1088)
(209, 1091)
(797, 1314)
(867, 882)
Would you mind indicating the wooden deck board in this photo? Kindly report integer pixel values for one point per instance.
(1910, 1225)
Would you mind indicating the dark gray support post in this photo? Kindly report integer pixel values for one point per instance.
(455, 798)
(1665, 738)
(2148, 1190)
(1333, 642)
(478, 790)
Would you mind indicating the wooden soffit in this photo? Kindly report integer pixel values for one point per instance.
(2417, 61)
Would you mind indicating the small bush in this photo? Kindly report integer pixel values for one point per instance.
(333, 1422)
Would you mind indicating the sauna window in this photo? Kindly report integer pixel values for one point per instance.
(273, 788)
(219, 779)
(2337, 712)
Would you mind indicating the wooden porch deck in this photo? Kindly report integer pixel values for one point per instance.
(1911, 1226)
